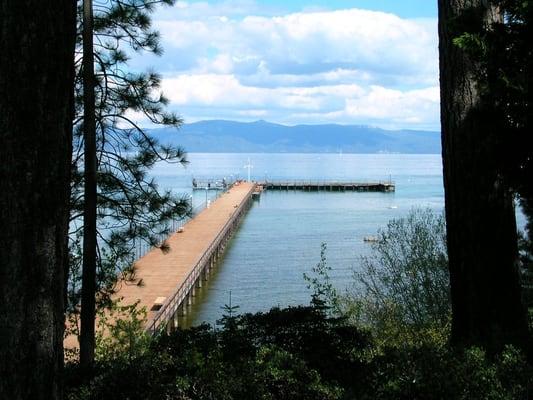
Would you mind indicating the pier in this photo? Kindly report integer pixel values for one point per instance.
(331, 186)
(170, 279)
(165, 282)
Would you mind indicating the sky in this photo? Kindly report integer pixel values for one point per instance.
(361, 62)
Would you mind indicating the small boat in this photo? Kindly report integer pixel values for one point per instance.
(371, 239)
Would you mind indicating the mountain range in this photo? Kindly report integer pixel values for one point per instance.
(219, 136)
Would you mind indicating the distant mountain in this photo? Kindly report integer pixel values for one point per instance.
(255, 137)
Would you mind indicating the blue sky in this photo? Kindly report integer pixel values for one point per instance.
(368, 62)
(402, 8)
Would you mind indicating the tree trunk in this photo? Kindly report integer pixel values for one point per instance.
(88, 290)
(482, 240)
(36, 92)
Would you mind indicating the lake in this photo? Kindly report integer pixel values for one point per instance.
(280, 237)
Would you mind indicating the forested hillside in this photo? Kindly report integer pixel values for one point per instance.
(260, 136)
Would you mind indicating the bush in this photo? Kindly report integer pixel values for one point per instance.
(437, 373)
(297, 353)
(294, 353)
(401, 291)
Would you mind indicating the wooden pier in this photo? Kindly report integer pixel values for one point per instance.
(165, 282)
(331, 186)
(170, 278)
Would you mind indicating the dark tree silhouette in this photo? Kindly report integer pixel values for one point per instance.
(36, 105)
(88, 291)
(482, 240)
(504, 54)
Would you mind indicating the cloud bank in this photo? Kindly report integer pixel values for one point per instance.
(345, 66)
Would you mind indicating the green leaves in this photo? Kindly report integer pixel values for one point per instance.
(401, 291)
(324, 294)
(473, 43)
(295, 353)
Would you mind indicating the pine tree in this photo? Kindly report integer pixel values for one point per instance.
(129, 207)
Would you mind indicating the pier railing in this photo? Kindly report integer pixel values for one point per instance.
(172, 303)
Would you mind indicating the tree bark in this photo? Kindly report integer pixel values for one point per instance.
(36, 108)
(482, 240)
(88, 290)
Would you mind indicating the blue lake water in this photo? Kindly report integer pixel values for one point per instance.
(280, 237)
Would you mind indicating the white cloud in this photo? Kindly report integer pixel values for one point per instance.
(375, 43)
(341, 103)
(346, 66)
(381, 103)
(216, 90)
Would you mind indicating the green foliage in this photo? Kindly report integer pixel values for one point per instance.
(401, 291)
(525, 247)
(230, 311)
(281, 375)
(429, 372)
(293, 353)
(296, 353)
(120, 333)
(324, 294)
(472, 41)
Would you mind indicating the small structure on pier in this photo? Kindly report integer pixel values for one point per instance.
(256, 195)
(211, 184)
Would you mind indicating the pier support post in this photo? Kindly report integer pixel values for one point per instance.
(175, 319)
(182, 309)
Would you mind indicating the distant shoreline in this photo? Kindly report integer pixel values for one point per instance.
(265, 137)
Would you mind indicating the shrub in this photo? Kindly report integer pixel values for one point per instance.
(120, 332)
(438, 373)
(401, 291)
(298, 353)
